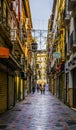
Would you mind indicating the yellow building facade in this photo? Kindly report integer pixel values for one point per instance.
(27, 25)
(41, 67)
(15, 26)
(57, 47)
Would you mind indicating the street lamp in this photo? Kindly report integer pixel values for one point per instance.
(34, 46)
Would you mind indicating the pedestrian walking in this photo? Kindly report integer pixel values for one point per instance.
(47, 86)
(44, 89)
(41, 88)
(33, 89)
(38, 88)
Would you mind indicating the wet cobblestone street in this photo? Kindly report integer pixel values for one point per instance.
(39, 112)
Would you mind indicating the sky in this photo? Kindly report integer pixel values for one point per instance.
(40, 13)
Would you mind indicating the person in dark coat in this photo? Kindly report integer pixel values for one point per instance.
(33, 89)
(44, 89)
(38, 88)
(41, 88)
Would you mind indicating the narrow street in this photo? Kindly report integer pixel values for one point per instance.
(39, 112)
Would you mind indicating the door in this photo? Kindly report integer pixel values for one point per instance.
(10, 91)
(67, 86)
(74, 88)
(3, 92)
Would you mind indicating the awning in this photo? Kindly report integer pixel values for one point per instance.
(11, 62)
(4, 52)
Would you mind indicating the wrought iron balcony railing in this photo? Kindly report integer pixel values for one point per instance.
(13, 34)
(4, 24)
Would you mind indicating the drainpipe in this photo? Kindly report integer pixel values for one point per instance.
(19, 10)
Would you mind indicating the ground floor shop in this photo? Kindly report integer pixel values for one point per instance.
(70, 83)
(3, 91)
(74, 86)
(12, 85)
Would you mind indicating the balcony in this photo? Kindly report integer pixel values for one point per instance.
(72, 4)
(73, 39)
(3, 24)
(15, 38)
(13, 34)
(5, 30)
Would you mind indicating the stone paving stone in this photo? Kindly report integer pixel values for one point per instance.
(39, 112)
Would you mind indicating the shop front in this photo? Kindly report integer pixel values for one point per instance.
(3, 91)
(60, 90)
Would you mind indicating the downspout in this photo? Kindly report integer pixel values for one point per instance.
(21, 19)
(19, 10)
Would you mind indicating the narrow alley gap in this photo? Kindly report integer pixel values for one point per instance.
(39, 112)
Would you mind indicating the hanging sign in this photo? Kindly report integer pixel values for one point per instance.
(4, 52)
(57, 55)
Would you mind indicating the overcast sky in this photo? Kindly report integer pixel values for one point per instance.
(40, 12)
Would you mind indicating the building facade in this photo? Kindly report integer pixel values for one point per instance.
(63, 51)
(41, 67)
(13, 61)
(57, 50)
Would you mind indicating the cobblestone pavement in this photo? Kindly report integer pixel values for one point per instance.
(39, 112)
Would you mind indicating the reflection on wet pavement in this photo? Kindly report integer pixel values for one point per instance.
(39, 112)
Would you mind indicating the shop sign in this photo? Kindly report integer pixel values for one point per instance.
(4, 52)
(57, 55)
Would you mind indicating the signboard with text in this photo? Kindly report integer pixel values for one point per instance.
(57, 55)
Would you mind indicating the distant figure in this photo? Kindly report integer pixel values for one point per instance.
(38, 88)
(44, 89)
(33, 89)
(41, 88)
(47, 87)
